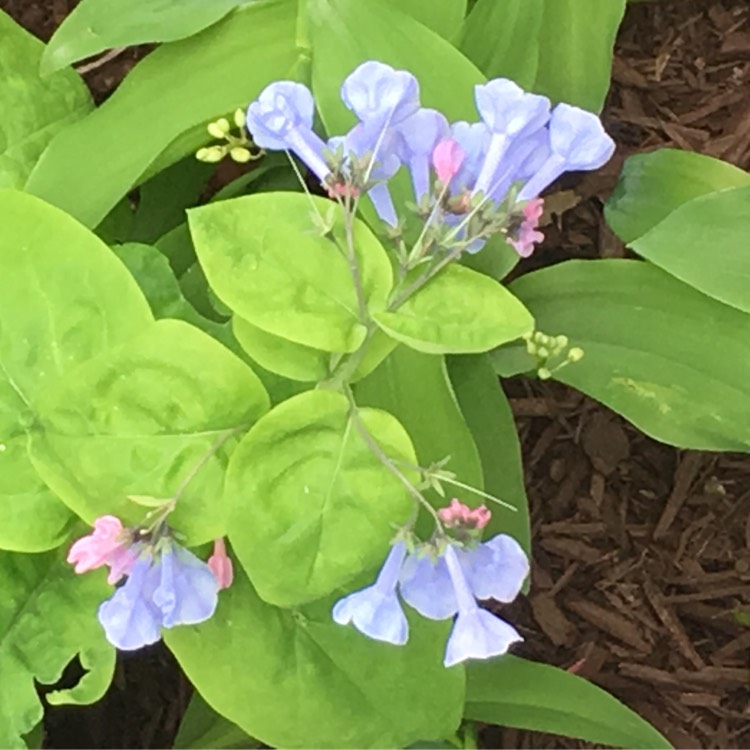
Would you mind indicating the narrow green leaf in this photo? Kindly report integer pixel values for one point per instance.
(671, 360)
(513, 692)
(343, 689)
(653, 185)
(89, 166)
(48, 618)
(311, 504)
(202, 728)
(35, 108)
(444, 17)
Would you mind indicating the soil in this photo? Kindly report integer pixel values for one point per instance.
(641, 575)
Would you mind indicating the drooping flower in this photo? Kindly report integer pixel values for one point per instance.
(447, 158)
(221, 564)
(376, 611)
(426, 586)
(474, 139)
(108, 544)
(528, 235)
(281, 119)
(419, 134)
(477, 633)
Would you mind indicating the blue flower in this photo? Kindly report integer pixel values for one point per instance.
(477, 633)
(425, 585)
(474, 139)
(496, 569)
(376, 611)
(419, 134)
(281, 119)
(577, 140)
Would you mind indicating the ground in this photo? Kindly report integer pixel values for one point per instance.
(641, 568)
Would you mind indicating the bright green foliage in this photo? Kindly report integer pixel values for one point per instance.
(705, 243)
(259, 665)
(460, 311)
(514, 692)
(685, 385)
(183, 84)
(136, 419)
(265, 258)
(34, 109)
(311, 505)
(201, 728)
(96, 25)
(488, 415)
(444, 17)
(653, 185)
(47, 618)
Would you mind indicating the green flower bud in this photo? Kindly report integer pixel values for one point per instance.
(542, 352)
(544, 373)
(561, 342)
(211, 155)
(240, 154)
(239, 118)
(541, 338)
(531, 348)
(219, 129)
(575, 354)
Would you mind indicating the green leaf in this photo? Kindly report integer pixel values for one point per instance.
(35, 108)
(265, 259)
(488, 415)
(687, 242)
(653, 185)
(138, 418)
(66, 309)
(343, 689)
(459, 312)
(576, 44)
(502, 39)
(48, 617)
(514, 692)
(444, 17)
(671, 360)
(89, 166)
(311, 504)
(97, 25)
(202, 728)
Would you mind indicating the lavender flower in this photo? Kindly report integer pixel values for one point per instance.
(419, 135)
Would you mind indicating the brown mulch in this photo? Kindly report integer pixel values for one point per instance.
(641, 566)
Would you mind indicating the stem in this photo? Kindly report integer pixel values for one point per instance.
(203, 460)
(349, 211)
(422, 280)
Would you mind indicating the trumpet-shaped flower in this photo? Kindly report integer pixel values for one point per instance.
(376, 611)
(447, 158)
(281, 119)
(419, 135)
(108, 544)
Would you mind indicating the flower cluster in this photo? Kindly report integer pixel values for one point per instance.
(442, 581)
(487, 174)
(166, 584)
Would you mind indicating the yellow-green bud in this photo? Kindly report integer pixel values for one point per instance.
(211, 155)
(541, 338)
(575, 354)
(219, 129)
(542, 352)
(240, 154)
(544, 373)
(531, 348)
(239, 118)
(561, 342)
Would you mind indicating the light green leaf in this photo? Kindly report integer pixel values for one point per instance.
(266, 260)
(459, 312)
(35, 108)
(671, 360)
(185, 84)
(487, 413)
(48, 618)
(97, 25)
(704, 243)
(311, 504)
(513, 692)
(138, 418)
(343, 689)
(202, 728)
(444, 17)
(653, 185)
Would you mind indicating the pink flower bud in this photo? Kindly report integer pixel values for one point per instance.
(528, 236)
(447, 158)
(221, 565)
(99, 547)
(458, 514)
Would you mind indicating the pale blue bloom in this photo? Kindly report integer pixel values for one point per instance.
(376, 611)
(496, 569)
(425, 585)
(281, 119)
(578, 141)
(474, 139)
(477, 633)
(419, 134)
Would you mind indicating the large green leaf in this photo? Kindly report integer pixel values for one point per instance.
(704, 243)
(513, 692)
(34, 108)
(488, 415)
(259, 665)
(201, 728)
(311, 504)
(96, 25)
(671, 360)
(138, 418)
(264, 257)
(92, 164)
(459, 311)
(442, 16)
(653, 185)
(48, 617)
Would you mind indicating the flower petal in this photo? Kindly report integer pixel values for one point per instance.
(378, 616)
(496, 569)
(478, 634)
(427, 587)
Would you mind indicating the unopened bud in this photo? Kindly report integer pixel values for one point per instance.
(544, 373)
(575, 354)
(212, 154)
(561, 342)
(220, 128)
(531, 348)
(239, 118)
(240, 154)
(541, 338)
(542, 352)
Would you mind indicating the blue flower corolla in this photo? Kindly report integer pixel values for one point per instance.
(188, 591)
(477, 633)
(578, 142)
(474, 139)
(129, 617)
(376, 611)
(380, 96)
(522, 162)
(418, 136)
(281, 119)
(426, 586)
(509, 113)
